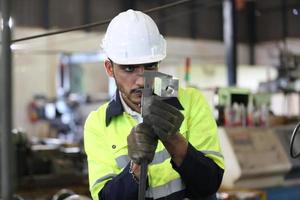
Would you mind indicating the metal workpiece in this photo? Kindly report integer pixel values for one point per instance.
(160, 84)
(165, 87)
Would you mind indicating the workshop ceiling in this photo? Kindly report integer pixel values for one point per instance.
(257, 20)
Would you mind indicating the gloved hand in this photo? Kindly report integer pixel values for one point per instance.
(142, 143)
(163, 118)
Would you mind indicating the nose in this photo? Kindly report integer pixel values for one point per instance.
(140, 76)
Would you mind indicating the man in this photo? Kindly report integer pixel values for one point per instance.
(178, 137)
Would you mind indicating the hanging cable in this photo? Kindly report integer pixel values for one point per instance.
(63, 31)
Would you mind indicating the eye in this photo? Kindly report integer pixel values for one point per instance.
(151, 66)
(128, 68)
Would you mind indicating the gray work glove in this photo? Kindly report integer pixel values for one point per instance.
(163, 118)
(142, 143)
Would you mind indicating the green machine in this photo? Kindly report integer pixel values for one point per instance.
(229, 95)
(236, 104)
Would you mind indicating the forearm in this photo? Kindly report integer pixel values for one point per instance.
(177, 146)
(201, 175)
(121, 187)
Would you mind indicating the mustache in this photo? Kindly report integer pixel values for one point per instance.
(137, 90)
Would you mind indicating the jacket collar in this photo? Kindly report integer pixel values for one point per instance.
(115, 106)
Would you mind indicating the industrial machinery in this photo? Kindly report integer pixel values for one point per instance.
(284, 134)
(254, 158)
(229, 95)
(238, 107)
(288, 74)
(47, 163)
(231, 106)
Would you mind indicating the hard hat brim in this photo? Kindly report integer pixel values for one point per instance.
(137, 61)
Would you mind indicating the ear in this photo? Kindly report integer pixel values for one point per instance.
(109, 68)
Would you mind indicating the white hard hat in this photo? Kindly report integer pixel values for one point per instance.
(132, 37)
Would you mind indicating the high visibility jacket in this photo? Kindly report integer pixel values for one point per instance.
(105, 142)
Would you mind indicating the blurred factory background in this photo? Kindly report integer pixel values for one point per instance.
(243, 54)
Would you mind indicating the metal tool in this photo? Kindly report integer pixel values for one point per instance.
(164, 86)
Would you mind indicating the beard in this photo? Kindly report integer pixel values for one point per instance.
(130, 96)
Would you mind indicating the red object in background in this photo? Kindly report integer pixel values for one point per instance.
(240, 4)
(32, 112)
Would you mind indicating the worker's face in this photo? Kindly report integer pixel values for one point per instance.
(129, 80)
